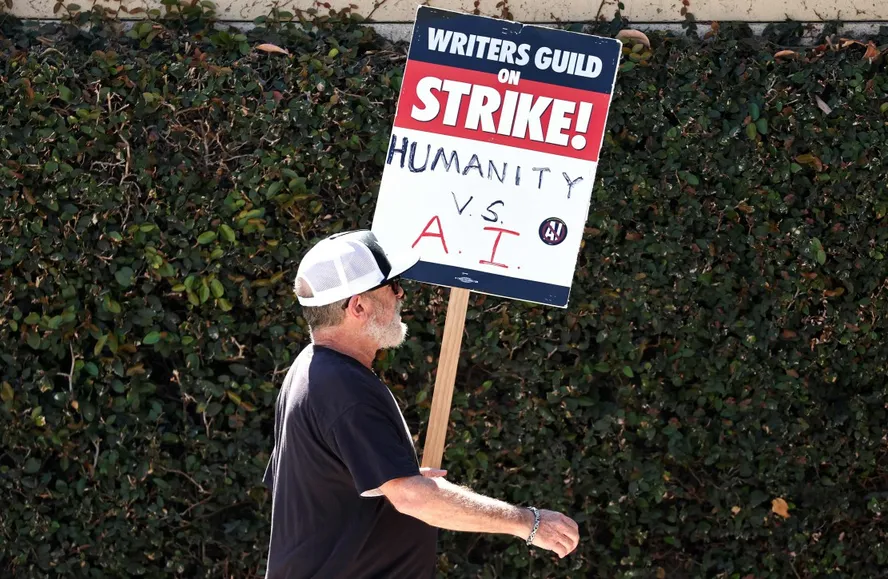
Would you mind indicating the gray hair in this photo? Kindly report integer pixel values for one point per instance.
(319, 317)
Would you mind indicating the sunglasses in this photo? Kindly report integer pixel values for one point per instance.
(394, 283)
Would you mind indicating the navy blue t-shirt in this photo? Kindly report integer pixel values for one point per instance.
(338, 436)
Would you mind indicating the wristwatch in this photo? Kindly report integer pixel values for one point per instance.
(536, 524)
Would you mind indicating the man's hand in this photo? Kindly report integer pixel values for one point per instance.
(429, 472)
(556, 533)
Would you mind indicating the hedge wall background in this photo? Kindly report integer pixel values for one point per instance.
(712, 404)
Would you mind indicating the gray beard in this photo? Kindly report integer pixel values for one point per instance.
(390, 334)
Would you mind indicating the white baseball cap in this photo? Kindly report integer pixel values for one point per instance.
(347, 264)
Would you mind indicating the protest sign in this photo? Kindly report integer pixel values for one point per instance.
(490, 166)
(492, 158)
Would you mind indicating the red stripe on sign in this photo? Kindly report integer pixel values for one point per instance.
(528, 115)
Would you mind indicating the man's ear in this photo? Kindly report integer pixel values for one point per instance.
(357, 307)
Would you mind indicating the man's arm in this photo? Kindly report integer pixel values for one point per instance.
(442, 504)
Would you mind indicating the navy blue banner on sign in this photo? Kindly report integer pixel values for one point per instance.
(467, 41)
(495, 285)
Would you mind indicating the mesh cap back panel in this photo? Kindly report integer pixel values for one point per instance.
(359, 264)
(322, 276)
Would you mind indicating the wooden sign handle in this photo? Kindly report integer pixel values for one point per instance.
(442, 395)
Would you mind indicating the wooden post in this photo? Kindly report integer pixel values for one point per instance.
(442, 395)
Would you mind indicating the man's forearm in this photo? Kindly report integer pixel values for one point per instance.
(443, 504)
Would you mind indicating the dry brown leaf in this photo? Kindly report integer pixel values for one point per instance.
(789, 334)
(872, 52)
(272, 48)
(846, 42)
(661, 573)
(635, 36)
(735, 510)
(783, 53)
(811, 160)
(713, 30)
(779, 507)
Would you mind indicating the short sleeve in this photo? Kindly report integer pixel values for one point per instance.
(372, 446)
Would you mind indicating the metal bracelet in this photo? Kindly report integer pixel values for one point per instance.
(536, 524)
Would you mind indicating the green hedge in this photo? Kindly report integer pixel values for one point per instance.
(724, 348)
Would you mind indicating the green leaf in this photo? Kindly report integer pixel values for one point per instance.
(795, 168)
(217, 288)
(124, 276)
(751, 131)
(6, 392)
(239, 369)
(65, 93)
(204, 293)
(224, 305)
(627, 66)
(50, 167)
(754, 111)
(227, 233)
(100, 344)
(628, 371)
(819, 253)
(32, 465)
(884, 108)
(756, 498)
(274, 188)
(762, 126)
(151, 338)
(333, 52)
(32, 318)
(206, 237)
(110, 305)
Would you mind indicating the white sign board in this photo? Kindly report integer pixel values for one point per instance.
(493, 153)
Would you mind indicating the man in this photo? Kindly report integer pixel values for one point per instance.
(348, 496)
